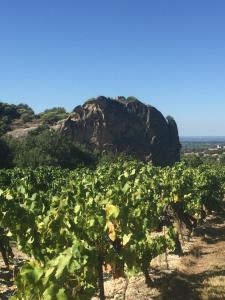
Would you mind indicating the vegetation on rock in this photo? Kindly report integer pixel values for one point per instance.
(53, 115)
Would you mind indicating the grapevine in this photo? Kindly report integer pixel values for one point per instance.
(71, 223)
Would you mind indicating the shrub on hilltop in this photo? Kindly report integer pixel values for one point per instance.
(11, 112)
(53, 115)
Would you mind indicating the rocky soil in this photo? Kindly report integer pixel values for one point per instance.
(199, 274)
(20, 129)
(7, 287)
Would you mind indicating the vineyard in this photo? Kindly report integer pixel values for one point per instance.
(72, 223)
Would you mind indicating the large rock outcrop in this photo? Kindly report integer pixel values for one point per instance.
(124, 125)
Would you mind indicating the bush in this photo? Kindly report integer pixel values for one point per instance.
(192, 160)
(51, 116)
(5, 154)
(10, 112)
(49, 148)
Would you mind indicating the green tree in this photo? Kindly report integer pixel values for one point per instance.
(5, 154)
(49, 148)
(53, 115)
(192, 160)
(10, 112)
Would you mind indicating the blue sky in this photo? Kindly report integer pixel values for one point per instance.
(167, 53)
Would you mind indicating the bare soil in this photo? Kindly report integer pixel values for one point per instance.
(7, 286)
(197, 275)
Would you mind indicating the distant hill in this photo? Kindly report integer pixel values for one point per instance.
(202, 139)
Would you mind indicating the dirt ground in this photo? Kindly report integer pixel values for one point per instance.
(198, 274)
(7, 286)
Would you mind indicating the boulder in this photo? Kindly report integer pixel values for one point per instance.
(124, 125)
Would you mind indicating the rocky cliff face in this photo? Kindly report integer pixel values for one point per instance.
(124, 125)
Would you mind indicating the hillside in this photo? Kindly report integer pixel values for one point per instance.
(120, 125)
(18, 120)
(14, 116)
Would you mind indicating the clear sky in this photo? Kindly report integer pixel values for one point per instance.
(168, 53)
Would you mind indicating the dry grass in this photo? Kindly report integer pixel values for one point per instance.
(213, 288)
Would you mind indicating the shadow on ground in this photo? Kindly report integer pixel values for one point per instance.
(209, 284)
(7, 286)
(180, 286)
(6, 281)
